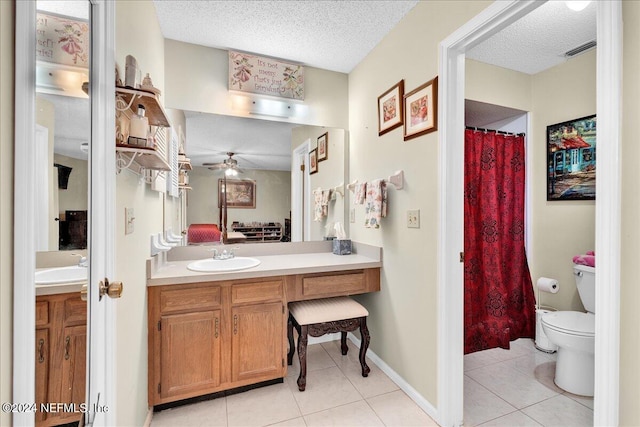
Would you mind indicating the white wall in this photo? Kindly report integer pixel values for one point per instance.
(273, 197)
(630, 242)
(76, 195)
(138, 34)
(6, 205)
(197, 80)
(403, 315)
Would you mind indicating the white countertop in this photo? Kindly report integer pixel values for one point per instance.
(176, 272)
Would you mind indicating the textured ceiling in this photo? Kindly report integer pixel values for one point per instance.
(539, 40)
(332, 35)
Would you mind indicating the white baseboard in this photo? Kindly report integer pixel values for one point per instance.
(413, 394)
(147, 421)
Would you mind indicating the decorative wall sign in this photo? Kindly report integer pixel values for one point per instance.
(62, 40)
(266, 76)
(571, 160)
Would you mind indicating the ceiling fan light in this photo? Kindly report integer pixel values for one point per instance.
(577, 5)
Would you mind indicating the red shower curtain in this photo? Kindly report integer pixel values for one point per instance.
(499, 305)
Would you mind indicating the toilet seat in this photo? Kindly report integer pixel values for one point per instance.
(571, 322)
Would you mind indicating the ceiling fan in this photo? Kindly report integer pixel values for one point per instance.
(229, 165)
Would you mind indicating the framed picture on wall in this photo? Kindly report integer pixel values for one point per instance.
(390, 108)
(571, 160)
(313, 162)
(323, 147)
(421, 110)
(241, 193)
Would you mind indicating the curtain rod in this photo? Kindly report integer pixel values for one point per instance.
(492, 130)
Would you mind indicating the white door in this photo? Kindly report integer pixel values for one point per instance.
(100, 390)
(100, 354)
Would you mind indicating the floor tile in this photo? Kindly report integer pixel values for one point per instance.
(352, 415)
(397, 409)
(262, 406)
(518, 389)
(296, 422)
(317, 358)
(478, 359)
(538, 366)
(586, 401)
(326, 388)
(376, 383)
(210, 413)
(481, 405)
(511, 420)
(560, 411)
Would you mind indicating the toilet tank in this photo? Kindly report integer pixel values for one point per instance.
(586, 284)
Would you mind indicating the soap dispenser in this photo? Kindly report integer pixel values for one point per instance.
(139, 128)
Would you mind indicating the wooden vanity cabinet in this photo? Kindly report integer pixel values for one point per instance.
(210, 337)
(61, 349)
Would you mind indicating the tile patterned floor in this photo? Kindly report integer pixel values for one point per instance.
(515, 388)
(336, 395)
(501, 388)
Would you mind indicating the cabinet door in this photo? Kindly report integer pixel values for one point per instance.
(190, 353)
(258, 331)
(74, 370)
(42, 371)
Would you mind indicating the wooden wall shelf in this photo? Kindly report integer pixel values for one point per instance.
(147, 158)
(153, 110)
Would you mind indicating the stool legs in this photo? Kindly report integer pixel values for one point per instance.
(343, 343)
(364, 345)
(302, 354)
(292, 349)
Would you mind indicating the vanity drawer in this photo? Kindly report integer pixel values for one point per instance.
(190, 299)
(333, 284)
(271, 290)
(42, 313)
(75, 310)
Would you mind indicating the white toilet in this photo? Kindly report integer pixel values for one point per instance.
(574, 334)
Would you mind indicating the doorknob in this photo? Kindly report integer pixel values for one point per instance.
(113, 290)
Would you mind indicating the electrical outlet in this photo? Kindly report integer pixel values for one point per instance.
(128, 220)
(413, 218)
(352, 215)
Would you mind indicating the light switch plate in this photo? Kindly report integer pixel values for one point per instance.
(413, 218)
(128, 220)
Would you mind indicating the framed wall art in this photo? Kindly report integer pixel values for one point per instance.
(421, 110)
(313, 162)
(571, 160)
(241, 193)
(323, 147)
(390, 108)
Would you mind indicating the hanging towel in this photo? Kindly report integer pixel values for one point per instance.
(317, 205)
(375, 203)
(326, 196)
(359, 193)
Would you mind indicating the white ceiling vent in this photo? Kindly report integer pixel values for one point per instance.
(580, 49)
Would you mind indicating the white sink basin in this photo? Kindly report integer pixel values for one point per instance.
(53, 276)
(215, 265)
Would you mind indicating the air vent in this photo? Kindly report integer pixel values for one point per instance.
(580, 49)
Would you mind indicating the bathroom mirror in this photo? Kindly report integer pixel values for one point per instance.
(264, 151)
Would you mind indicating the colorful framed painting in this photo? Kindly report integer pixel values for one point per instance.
(241, 193)
(313, 162)
(571, 160)
(323, 147)
(421, 110)
(390, 108)
(62, 40)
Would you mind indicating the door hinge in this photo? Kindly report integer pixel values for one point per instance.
(159, 388)
(159, 325)
(302, 167)
(461, 256)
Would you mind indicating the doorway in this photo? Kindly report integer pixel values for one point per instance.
(609, 59)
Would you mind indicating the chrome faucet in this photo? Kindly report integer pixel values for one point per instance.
(82, 261)
(225, 254)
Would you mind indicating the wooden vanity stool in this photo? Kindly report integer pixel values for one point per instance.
(325, 316)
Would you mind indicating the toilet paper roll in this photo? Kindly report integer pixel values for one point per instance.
(546, 284)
